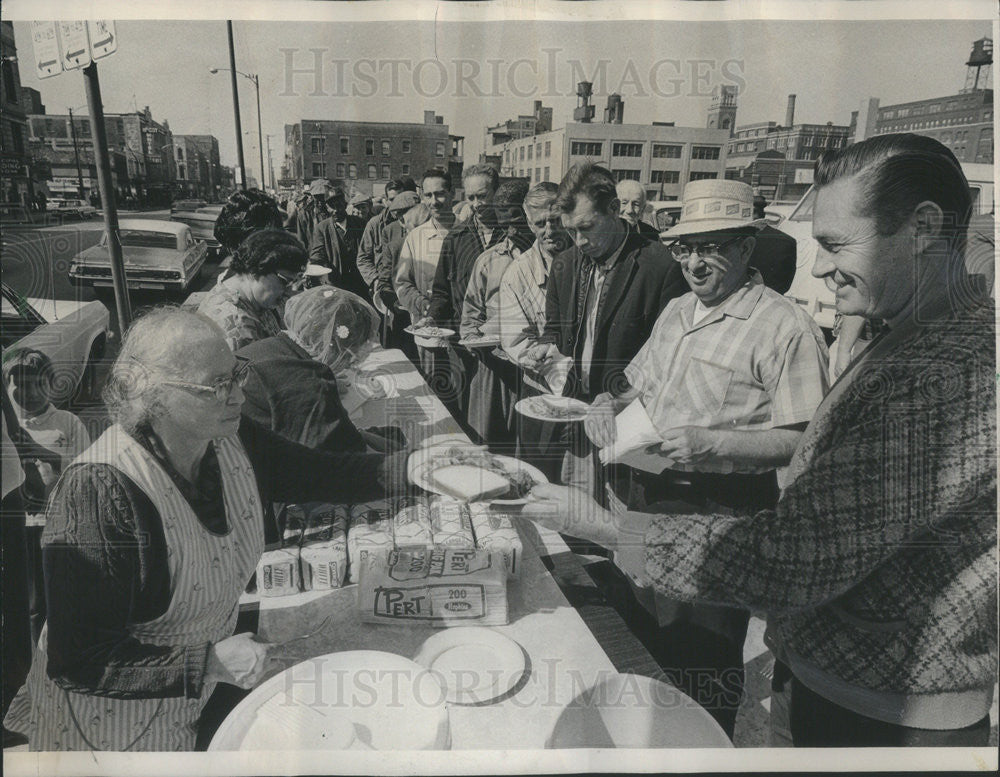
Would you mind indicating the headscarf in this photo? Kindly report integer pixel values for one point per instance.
(334, 326)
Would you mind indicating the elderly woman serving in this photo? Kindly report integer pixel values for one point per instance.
(152, 535)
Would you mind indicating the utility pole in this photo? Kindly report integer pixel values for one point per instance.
(236, 108)
(270, 164)
(76, 153)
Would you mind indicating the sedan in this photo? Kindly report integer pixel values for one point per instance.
(157, 254)
(79, 209)
(72, 334)
(202, 223)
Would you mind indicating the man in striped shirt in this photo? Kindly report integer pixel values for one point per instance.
(730, 377)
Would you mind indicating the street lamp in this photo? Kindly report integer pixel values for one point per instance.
(255, 80)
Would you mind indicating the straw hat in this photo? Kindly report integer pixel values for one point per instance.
(713, 205)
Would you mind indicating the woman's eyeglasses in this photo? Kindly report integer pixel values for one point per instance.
(681, 252)
(223, 388)
(288, 279)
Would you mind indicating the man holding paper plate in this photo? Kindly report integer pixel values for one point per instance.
(718, 398)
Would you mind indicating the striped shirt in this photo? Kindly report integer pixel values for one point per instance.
(756, 362)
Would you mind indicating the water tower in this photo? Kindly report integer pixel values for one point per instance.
(980, 66)
(584, 111)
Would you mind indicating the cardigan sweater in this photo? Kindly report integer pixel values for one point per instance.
(878, 566)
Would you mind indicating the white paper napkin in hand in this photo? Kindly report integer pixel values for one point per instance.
(634, 432)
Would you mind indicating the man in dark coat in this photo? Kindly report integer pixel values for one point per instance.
(335, 245)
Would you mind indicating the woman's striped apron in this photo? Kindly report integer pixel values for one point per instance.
(208, 572)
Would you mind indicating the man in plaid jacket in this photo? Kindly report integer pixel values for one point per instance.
(878, 565)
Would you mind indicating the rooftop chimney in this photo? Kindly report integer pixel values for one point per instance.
(790, 111)
(429, 117)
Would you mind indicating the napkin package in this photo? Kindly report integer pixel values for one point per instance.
(411, 525)
(369, 538)
(450, 524)
(496, 534)
(440, 587)
(278, 572)
(324, 561)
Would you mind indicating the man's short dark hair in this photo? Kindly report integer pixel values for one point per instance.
(437, 172)
(404, 184)
(27, 361)
(246, 212)
(267, 251)
(486, 171)
(592, 181)
(511, 192)
(898, 172)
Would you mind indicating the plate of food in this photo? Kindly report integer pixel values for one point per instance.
(471, 473)
(429, 336)
(549, 407)
(480, 341)
(476, 665)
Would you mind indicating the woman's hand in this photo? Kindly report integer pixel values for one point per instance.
(238, 660)
(571, 511)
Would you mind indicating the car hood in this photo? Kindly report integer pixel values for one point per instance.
(134, 256)
(60, 309)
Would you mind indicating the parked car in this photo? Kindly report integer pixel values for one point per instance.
(202, 223)
(157, 254)
(186, 205)
(812, 293)
(662, 214)
(71, 333)
(79, 209)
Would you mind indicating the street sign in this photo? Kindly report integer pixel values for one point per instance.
(103, 40)
(75, 45)
(45, 42)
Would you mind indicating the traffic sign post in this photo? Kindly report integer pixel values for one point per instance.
(45, 43)
(75, 44)
(103, 41)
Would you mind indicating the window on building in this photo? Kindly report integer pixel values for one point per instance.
(386, 148)
(17, 138)
(530, 149)
(666, 151)
(372, 172)
(626, 149)
(903, 113)
(406, 169)
(665, 176)
(352, 171)
(626, 175)
(9, 83)
(180, 153)
(935, 108)
(697, 175)
(180, 172)
(406, 145)
(340, 170)
(439, 149)
(705, 152)
(538, 174)
(546, 174)
(521, 154)
(586, 148)
(386, 172)
(369, 146)
(548, 151)
(506, 157)
(319, 169)
(345, 145)
(318, 146)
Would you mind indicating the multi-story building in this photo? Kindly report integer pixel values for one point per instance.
(31, 101)
(364, 155)
(962, 121)
(661, 156)
(144, 143)
(524, 126)
(14, 159)
(197, 161)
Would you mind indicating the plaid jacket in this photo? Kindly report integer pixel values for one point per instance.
(879, 564)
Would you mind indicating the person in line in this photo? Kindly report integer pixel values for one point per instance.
(335, 245)
(360, 206)
(29, 374)
(310, 209)
(602, 299)
(418, 262)
(494, 387)
(373, 235)
(877, 567)
(245, 212)
(729, 377)
(632, 201)
(465, 242)
(408, 214)
(522, 321)
(245, 300)
(152, 535)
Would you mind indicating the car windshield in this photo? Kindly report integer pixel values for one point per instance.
(804, 210)
(146, 238)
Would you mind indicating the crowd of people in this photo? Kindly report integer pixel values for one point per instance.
(851, 501)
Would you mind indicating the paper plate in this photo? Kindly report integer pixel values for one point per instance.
(478, 666)
(422, 461)
(481, 342)
(548, 407)
(388, 702)
(634, 711)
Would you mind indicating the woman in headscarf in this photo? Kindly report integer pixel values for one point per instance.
(151, 537)
(246, 299)
(292, 387)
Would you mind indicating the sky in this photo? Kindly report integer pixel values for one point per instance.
(476, 74)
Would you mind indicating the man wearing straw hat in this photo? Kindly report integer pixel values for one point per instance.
(730, 376)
